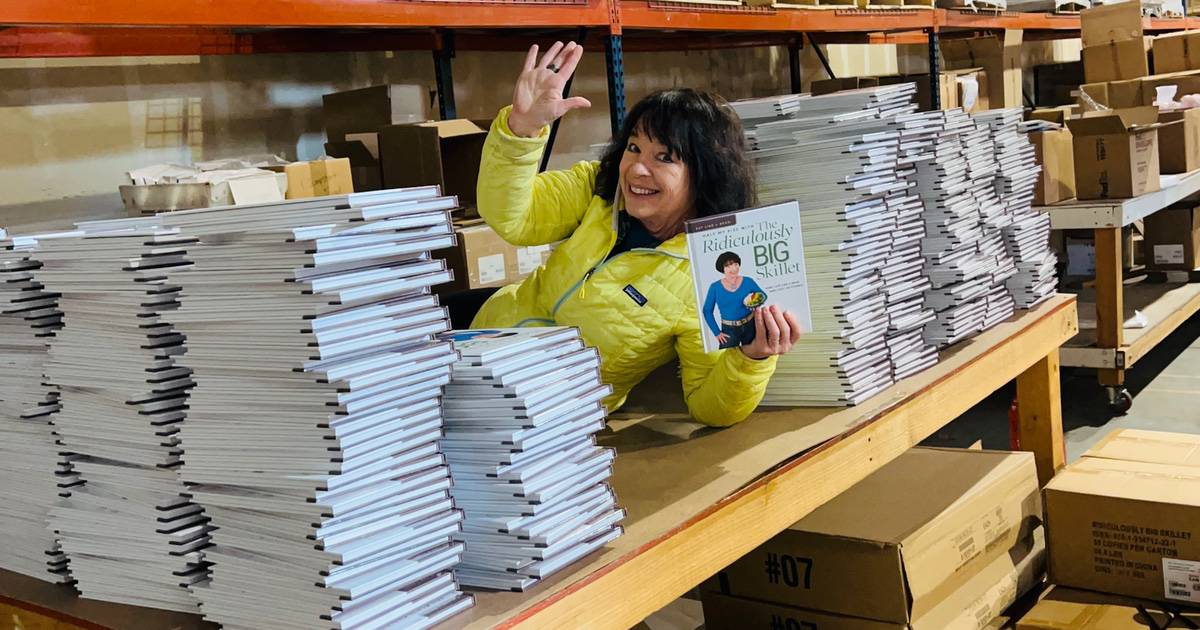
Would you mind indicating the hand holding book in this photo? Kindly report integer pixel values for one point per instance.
(776, 330)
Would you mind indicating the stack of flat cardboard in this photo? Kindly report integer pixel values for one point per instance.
(936, 539)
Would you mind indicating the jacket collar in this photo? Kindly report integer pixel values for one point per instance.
(676, 245)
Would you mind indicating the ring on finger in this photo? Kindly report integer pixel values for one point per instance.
(552, 68)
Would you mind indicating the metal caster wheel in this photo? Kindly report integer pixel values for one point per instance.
(1119, 400)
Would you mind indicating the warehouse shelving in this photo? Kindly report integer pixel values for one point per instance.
(1110, 348)
(39, 28)
(698, 504)
(816, 452)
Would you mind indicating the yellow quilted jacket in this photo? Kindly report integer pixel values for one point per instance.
(637, 308)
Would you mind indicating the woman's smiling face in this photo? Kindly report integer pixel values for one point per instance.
(655, 183)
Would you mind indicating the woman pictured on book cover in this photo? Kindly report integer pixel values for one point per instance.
(620, 272)
(736, 297)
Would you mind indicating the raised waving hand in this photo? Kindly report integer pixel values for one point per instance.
(538, 96)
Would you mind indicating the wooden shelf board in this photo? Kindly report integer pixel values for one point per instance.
(1166, 306)
(700, 499)
(698, 504)
(1114, 213)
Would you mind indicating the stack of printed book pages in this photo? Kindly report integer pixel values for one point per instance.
(840, 155)
(314, 430)
(522, 409)
(130, 532)
(33, 469)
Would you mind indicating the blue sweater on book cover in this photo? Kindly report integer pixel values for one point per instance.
(731, 303)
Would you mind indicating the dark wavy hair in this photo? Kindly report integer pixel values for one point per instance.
(728, 257)
(701, 130)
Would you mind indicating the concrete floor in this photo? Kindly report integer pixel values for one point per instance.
(1166, 397)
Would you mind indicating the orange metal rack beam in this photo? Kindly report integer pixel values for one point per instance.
(650, 14)
(307, 13)
(52, 28)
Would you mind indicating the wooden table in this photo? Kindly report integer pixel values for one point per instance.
(698, 499)
(1112, 350)
(697, 504)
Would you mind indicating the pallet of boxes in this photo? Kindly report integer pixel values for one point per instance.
(936, 539)
(1123, 527)
(386, 133)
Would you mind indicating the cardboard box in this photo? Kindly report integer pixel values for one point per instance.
(1058, 115)
(953, 88)
(829, 86)
(999, 57)
(1126, 527)
(1179, 143)
(483, 259)
(1070, 609)
(319, 178)
(445, 152)
(1115, 94)
(1159, 447)
(1186, 83)
(1115, 61)
(1056, 156)
(1092, 95)
(1111, 23)
(884, 550)
(1116, 153)
(363, 152)
(149, 199)
(1176, 52)
(1081, 256)
(1126, 94)
(1173, 239)
(971, 89)
(723, 612)
(369, 108)
(972, 604)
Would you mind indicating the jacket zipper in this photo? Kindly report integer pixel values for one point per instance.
(579, 286)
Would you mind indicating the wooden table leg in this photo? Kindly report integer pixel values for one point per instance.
(1110, 303)
(1039, 405)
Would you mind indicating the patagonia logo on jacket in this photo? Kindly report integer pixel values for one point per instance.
(635, 295)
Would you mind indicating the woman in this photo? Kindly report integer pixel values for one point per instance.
(737, 297)
(621, 274)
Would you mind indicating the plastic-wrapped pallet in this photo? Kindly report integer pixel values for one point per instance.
(34, 470)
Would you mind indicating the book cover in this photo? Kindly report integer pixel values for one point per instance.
(743, 261)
